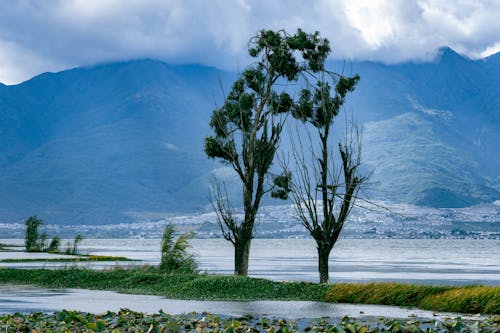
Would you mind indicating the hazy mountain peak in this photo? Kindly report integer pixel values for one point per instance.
(447, 54)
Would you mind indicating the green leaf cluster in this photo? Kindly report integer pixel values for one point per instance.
(318, 106)
(174, 254)
(253, 100)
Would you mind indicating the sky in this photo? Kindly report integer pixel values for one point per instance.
(38, 36)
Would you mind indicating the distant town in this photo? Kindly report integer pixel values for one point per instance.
(378, 220)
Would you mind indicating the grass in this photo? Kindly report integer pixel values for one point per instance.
(472, 300)
(469, 299)
(76, 259)
(6, 247)
(152, 281)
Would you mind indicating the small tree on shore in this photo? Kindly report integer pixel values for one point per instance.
(325, 192)
(247, 128)
(174, 254)
(32, 237)
(54, 244)
(73, 248)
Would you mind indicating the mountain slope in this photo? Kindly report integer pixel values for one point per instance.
(431, 130)
(98, 142)
(123, 141)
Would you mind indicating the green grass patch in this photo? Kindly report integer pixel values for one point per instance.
(470, 299)
(75, 259)
(8, 247)
(149, 280)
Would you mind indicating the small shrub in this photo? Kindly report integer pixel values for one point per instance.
(32, 238)
(72, 249)
(42, 242)
(54, 244)
(174, 255)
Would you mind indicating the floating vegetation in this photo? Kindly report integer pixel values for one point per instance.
(8, 247)
(129, 321)
(75, 259)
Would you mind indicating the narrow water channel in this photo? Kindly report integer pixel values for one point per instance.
(29, 299)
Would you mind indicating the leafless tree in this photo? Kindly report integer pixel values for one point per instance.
(324, 188)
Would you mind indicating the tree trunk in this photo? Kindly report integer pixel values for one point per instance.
(323, 254)
(241, 255)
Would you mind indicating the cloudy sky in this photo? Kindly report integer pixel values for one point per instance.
(50, 35)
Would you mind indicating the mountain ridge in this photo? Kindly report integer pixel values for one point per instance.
(113, 142)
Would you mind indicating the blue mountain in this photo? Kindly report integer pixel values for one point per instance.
(124, 141)
(98, 145)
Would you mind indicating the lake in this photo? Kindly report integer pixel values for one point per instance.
(432, 261)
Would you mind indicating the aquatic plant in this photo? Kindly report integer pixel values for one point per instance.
(174, 254)
(73, 248)
(469, 299)
(54, 244)
(476, 299)
(75, 259)
(127, 320)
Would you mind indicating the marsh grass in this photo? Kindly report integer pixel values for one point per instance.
(476, 299)
(68, 260)
(469, 299)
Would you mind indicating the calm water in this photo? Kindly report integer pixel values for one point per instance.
(419, 261)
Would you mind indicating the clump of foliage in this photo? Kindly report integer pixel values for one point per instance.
(174, 254)
(73, 248)
(54, 244)
(31, 239)
(36, 242)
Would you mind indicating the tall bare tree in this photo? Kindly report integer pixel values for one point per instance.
(247, 128)
(324, 188)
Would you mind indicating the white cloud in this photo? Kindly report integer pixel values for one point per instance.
(48, 35)
(491, 49)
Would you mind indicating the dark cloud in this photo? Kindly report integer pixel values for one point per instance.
(49, 35)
